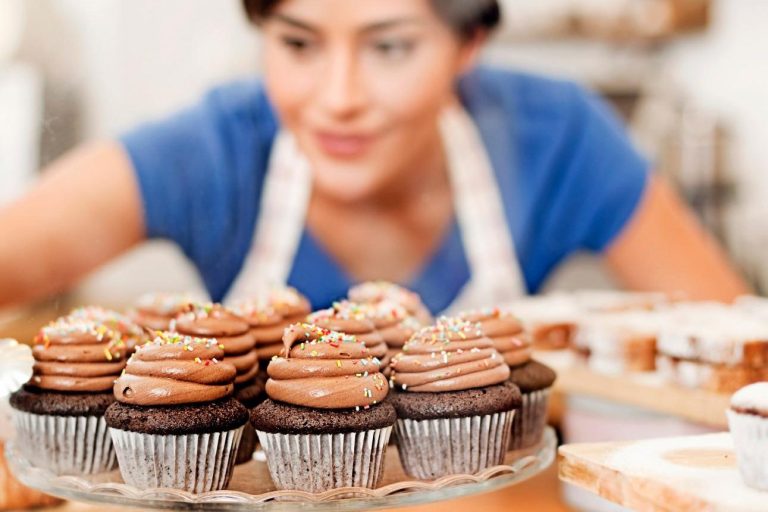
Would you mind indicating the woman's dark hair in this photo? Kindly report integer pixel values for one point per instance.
(465, 17)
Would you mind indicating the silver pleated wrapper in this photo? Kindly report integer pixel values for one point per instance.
(530, 420)
(65, 445)
(430, 449)
(194, 463)
(320, 462)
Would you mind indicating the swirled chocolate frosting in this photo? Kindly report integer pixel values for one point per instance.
(351, 318)
(230, 330)
(156, 311)
(506, 331)
(325, 369)
(77, 356)
(174, 369)
(269, 315)
(378, 291)
(452, 355)
(131, 333)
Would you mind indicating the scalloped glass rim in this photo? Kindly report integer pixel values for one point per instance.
(397, 494)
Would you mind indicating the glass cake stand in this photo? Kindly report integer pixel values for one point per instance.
(251, 487)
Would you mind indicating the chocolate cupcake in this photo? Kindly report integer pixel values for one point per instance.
(355, 319)
(325, 424)
(454, 402)
(269, 315)
(156, 311)
(131, 333)
(174, 424)
(234, 337)
(59, 413)
(371, 292)
(533, 378)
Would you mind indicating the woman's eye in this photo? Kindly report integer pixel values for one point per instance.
(393, 49)
(297, 44)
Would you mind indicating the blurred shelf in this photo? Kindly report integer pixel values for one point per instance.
(647, 391)
(680, 473)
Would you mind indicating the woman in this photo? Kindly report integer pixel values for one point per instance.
(375, 148)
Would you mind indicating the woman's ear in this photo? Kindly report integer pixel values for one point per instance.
(470, 51)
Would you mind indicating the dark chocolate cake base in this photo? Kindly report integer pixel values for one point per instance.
(219, 416)
(455, 404)
(37, 401)
(277, 417)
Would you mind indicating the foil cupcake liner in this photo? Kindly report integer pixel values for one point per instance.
(65, 445)
(433, 448)
(194, 463)
(750, 440)
(247, 445)
(530, 420)
(320, 462)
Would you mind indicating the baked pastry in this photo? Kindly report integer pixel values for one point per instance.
(454, 402)
(59, 413)
(175, 424)
(326, 424)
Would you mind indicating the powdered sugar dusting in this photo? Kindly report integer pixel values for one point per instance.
(754, 396)
(719, 484)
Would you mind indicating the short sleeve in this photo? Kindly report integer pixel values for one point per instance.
(173, 160)
(200, 173)
(607, 174)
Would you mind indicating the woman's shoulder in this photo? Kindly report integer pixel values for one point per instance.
(242, 102)
(524, 95)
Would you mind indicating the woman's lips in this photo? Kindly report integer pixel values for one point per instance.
(344, 146)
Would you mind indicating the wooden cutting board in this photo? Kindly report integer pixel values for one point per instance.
(648, 391)
(695, 473)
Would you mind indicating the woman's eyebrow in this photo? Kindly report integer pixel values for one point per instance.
(288, 20)
(392, 23)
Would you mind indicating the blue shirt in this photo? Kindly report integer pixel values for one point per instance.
(568, 175)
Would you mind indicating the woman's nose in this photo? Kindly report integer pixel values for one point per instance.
(342, 93)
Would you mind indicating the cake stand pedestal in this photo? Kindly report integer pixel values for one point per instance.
(251, 487)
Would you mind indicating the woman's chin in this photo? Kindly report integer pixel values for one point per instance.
(349, 186)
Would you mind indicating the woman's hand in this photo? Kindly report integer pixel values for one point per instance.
(85, 210)
(664, 248)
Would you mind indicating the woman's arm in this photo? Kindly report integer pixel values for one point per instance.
(85, 210)
(664, 248)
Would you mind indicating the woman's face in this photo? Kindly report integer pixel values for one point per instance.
(360, 83)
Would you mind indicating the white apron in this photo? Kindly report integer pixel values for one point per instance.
(495, 276)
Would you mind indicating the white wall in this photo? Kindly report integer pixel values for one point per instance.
(727, 70)
(142, 58)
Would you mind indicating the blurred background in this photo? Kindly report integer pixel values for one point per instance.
(688, 76)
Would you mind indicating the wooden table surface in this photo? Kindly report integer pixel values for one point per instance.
(647, 391)
(679, 473)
